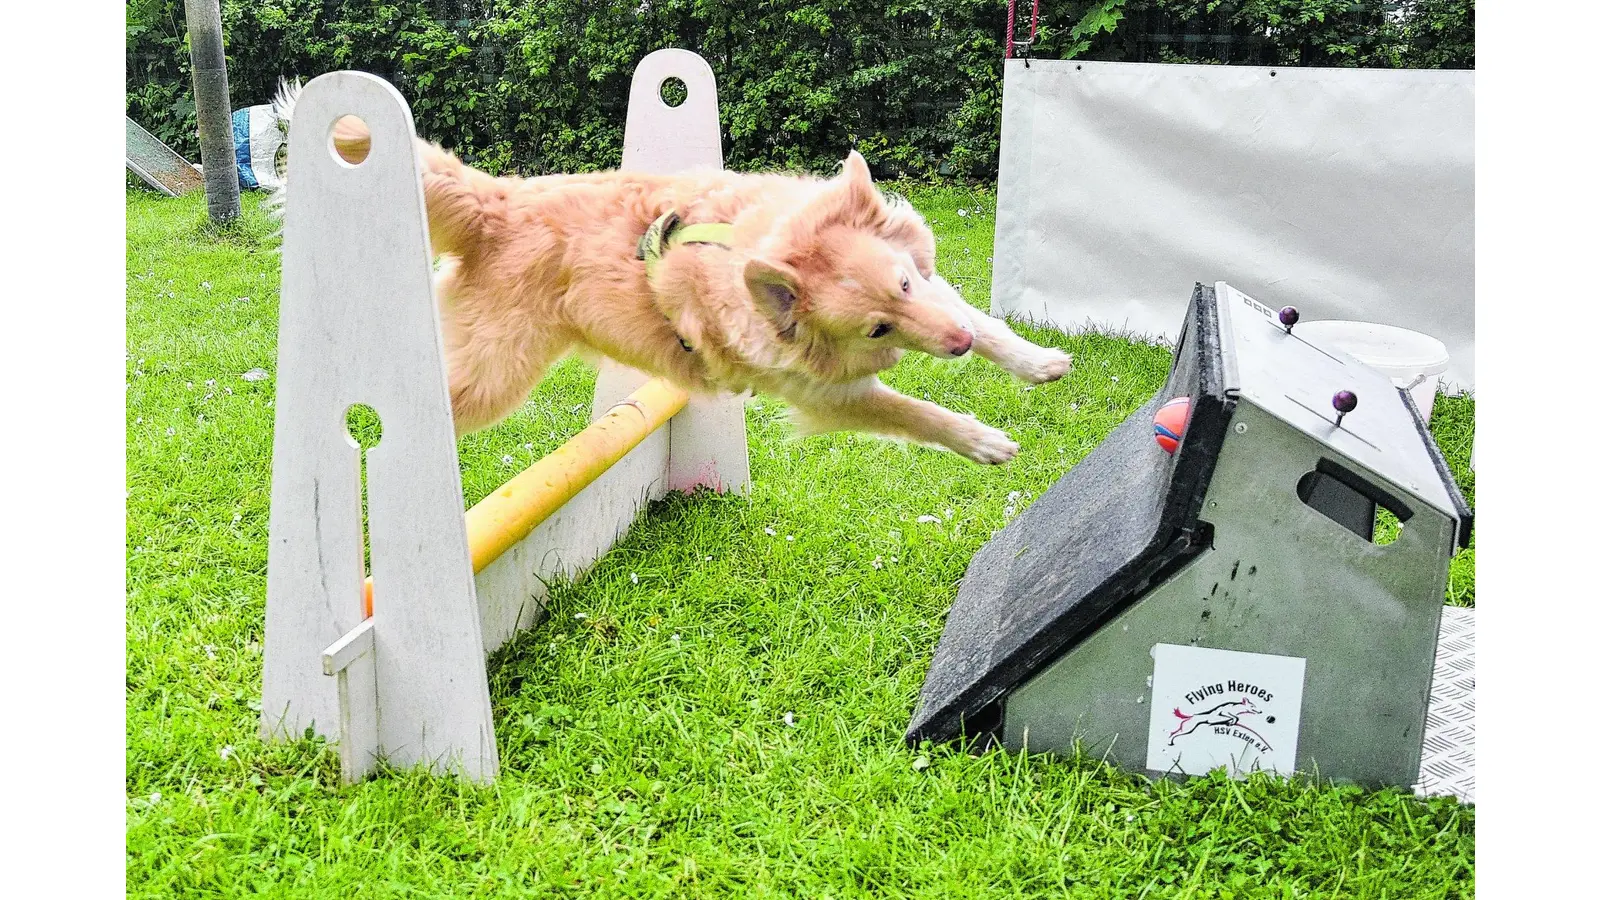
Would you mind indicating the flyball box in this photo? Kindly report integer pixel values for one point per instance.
(1267, 597)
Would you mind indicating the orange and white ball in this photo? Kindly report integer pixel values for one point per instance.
(1170, 421)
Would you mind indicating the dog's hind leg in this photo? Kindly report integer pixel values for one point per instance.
(994, 340)
(490, 379)
(870, 406)
(493, 361)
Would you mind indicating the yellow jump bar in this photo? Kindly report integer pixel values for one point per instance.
(497, 522)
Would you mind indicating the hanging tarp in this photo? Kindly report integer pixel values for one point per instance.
(1345, 192)
(260, 146)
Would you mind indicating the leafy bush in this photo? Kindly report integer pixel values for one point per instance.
(915, 84)
(1428, 34)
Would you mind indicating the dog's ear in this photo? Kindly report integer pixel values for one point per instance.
(906, 229)
(859, 203)
(855, 170)
(774, 287)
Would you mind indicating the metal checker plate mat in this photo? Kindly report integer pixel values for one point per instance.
(1448, 745)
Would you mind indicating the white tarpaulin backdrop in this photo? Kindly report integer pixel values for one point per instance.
(1347, 193)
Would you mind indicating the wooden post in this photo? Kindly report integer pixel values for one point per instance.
(707, 443)
(358, 324)
(212, 109)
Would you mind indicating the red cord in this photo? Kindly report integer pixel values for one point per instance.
(1011, 25)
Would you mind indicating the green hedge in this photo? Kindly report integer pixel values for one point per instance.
(542, 86)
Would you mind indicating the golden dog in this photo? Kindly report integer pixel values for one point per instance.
(801, 287)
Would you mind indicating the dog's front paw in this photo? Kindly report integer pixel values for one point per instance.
(1044, 364)
(982, 444)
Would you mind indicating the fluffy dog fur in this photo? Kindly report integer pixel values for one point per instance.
(796, 306)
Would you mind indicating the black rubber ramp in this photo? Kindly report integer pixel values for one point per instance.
(1091, 545)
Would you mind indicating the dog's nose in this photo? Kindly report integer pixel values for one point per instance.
(961, 345)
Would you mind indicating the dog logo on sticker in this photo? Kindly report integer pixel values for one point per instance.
(1226, 717)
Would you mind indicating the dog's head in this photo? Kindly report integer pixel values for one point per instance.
(858, 268)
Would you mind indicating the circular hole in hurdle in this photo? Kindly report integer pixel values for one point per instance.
(349, 141)
(674, 91)
(361, 422)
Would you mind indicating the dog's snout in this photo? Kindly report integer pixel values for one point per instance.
(960, 345)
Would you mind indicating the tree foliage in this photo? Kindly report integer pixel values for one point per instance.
(914, 84)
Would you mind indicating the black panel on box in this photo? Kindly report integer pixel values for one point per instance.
(1091, 545)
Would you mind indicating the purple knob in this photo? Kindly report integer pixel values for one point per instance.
(1343, 402)
(1289, 316)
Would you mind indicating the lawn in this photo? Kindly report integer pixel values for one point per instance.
(716, 709)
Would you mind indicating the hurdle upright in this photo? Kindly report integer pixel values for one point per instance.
(393, 667)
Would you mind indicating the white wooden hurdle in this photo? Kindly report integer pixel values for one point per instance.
(358, 324)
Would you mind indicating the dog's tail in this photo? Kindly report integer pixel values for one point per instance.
(461, 201)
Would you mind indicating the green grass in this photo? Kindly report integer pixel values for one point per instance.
(642, 729)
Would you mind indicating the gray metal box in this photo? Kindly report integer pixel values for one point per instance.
(1228, 604)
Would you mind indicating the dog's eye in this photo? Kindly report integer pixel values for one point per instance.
(879, 330)
(905, 285)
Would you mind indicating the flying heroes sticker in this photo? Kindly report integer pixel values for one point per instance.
(1226, 708)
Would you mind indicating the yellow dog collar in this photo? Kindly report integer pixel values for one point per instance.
(669, 231)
